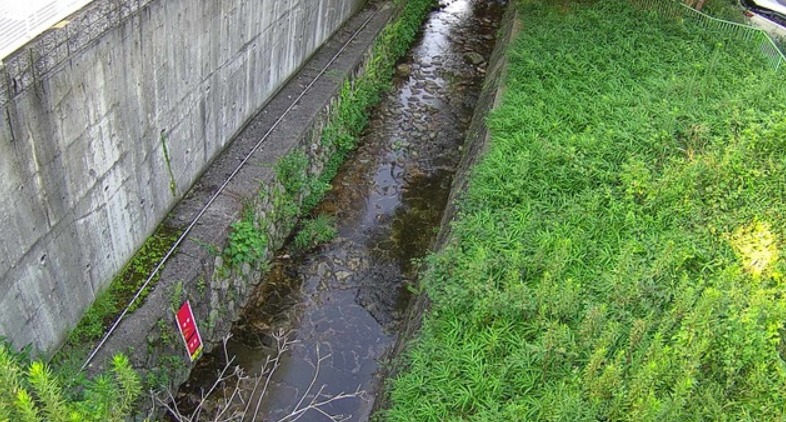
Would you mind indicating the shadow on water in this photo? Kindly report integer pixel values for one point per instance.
(346, 298)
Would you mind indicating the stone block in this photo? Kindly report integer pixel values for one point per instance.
(4, 97)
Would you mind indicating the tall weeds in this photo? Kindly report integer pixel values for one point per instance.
(32, 393)
(619, 252)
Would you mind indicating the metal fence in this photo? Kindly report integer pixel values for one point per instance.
(23, 20)
(755, 36)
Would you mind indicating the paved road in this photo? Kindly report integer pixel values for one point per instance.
(768, 25)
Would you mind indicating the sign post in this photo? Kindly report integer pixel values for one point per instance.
(189, 331)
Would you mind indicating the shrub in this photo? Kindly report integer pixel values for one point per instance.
(29, 392)
(315, 232)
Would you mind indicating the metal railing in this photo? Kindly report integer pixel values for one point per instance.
(23, 20)
(677, 10)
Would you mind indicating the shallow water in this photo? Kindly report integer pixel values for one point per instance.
(346, 298)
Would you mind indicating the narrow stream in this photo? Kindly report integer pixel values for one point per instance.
(345, 299)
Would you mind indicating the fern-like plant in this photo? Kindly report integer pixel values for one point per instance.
(30, 392)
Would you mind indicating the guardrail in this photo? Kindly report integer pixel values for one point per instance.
(677, 10)
(23, 20)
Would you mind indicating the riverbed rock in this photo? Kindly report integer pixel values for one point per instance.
(342, 275)
(474, 58)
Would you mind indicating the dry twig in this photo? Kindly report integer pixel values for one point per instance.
(309, 401)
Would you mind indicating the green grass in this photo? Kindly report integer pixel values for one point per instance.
(109, 303)
(619, 252)
(315, 232)
(724, 9)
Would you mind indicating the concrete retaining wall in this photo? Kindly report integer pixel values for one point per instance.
(88, 112)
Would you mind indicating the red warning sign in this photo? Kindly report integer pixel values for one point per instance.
(189, 331)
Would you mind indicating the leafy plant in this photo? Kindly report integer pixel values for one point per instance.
(292, 173)
(247, 242)
(619, 251)
(315, 232)
(31, 393)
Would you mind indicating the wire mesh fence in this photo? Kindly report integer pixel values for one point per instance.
(22, 21)
(761, 39)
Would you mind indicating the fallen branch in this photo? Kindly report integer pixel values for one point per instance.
(309, 401)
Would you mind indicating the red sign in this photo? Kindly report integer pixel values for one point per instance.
(189, 331)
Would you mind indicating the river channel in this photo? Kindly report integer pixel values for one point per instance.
(343, 301)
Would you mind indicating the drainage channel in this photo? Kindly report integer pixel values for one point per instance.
(340, 304)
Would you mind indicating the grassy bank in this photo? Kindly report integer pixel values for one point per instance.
(619, 252)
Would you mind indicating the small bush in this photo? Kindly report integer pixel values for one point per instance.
(247, 241)
(315, 232)
(292, 173)
(29, 392)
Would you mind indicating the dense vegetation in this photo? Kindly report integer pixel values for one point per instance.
(619, 252)
(730, 10)
(31, 393)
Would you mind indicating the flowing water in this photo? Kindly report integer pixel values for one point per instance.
(343, 301)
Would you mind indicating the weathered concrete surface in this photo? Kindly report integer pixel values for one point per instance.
(773, 28)
(149, 335)
(85, 114)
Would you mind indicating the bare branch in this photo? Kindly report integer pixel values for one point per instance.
(219, 381)
(236, 403)
(316, 405)
(283, 344)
